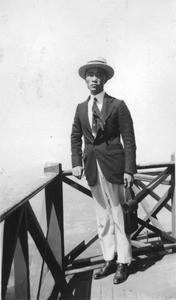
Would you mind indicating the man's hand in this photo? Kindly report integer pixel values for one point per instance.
(78, 172)
(128, 180)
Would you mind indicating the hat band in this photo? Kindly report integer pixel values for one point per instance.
(96, 61)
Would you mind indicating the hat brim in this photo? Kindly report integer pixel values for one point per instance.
(109, 70)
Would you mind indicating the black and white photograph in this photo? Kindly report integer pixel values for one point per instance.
(87, 155)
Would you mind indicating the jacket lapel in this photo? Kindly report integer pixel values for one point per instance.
(108, 106)
(85, 115)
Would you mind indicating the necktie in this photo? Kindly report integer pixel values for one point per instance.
(96, 118)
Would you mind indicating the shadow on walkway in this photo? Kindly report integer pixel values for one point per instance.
(141, 264)
(80, 284)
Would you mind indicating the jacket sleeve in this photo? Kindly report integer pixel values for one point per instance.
(76, 141)
(128, 137)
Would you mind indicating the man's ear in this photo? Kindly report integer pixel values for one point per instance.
(105, 77)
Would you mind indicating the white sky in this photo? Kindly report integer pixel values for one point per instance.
(42, 45)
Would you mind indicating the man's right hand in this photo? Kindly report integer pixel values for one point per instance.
(78, 172)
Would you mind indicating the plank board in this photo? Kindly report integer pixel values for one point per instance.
(151, 277)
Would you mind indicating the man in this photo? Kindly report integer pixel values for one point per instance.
(109, 165)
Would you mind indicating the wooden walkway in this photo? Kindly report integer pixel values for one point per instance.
(151, 277)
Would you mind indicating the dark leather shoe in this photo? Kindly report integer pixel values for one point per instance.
(121, 273)
(108, 268)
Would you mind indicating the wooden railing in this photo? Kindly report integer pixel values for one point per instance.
(18, 220)
(148, 184)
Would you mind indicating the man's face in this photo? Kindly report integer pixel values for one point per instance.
(95, 79)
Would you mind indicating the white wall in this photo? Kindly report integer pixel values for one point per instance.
(42, 45)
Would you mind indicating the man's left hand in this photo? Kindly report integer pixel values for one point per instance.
(128, 180)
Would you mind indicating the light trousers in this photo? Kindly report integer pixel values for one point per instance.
(109, 198)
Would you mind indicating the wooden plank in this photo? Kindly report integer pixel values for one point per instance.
(54, 208)
(1, 248)
(155, 229)
(137, 244)
(21, 192)
(152, 166)
(145, 192)
(153, 212)
(20, 274)
(142, 194)
(56, 228)
(149, 178)
(155, 222)
(77, 186)
(153, 194)
(85, 264)
(173, 181)
(54, 238)
(21, 258)
(51, 168)
(45, 250)
(81, 247)
(36, 266)
(149, 214)
(49, 289)
(55, 234)
(54, 168)
(164, 199)
(11, 231)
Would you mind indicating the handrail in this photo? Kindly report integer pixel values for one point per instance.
(155, 165)
(149, 178)
(10, 201)
(139, 167)
(13, 199)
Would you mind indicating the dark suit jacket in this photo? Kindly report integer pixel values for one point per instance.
(114, 147)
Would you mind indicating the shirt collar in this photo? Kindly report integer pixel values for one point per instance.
(99, 97)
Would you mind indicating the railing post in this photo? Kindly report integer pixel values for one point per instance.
(11, 232)
(1, 254)
(173, 182)
(54, 208)
(21, 258)
(61, 223)
(54, 216)
(36, 267)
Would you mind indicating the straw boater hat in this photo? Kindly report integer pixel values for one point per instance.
(100, 62)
